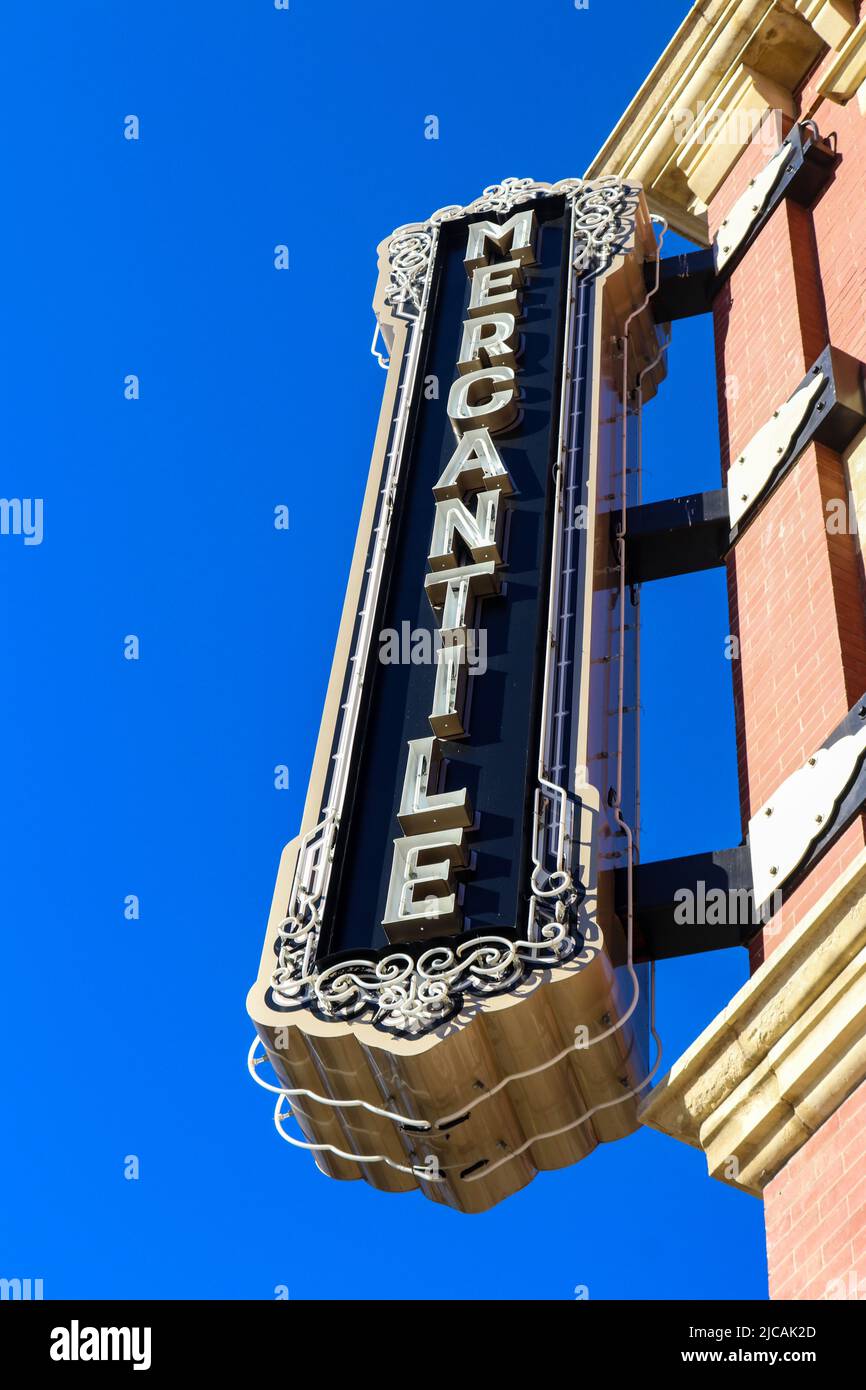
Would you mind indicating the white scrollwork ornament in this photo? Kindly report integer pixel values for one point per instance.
(409, 260)
(604, 221)
(411, 994)
(604, 218)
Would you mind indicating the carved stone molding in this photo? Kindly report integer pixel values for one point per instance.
(832, 20)
(785, 1053)
(847, 73)
(738, 114)
(723, 62)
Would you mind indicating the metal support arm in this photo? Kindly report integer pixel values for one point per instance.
(682, 907)
(707, 902)
(681, 535)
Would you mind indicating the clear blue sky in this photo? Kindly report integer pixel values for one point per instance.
(155, 777)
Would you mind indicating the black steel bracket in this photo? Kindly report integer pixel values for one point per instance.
(682, 907)
(687, 285)
(681, 535)
(684, 535)
(706, 902)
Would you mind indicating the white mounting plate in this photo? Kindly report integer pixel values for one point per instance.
(800, 811)
(748, 207)
(752, 470)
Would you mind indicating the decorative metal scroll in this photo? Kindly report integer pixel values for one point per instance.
(603, 225)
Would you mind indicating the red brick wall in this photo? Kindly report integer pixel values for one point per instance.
(838, 218)
(797, 592)
(798, 608)
(815, 1212)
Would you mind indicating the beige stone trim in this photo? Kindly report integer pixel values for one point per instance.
(846, 74)
(784, 1054)
(717, 139)
(855, 465)
(702, 66)
(833, 20)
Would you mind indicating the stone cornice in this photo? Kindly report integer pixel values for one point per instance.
(721, 47)
(784, 1054)
(832, 19)
(847, 72)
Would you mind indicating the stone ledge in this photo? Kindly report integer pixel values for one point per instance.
(775, 42)
(848, 70)
(784, 1054)
(832, 19)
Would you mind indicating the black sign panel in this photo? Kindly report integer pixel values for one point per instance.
(497, 760)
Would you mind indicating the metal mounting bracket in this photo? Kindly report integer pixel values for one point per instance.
(828, 407)
(708, 902)
(681, 535)
(682, 907)
(811, 807)
(799, 169)
(687, 285)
